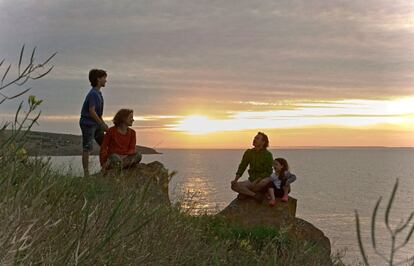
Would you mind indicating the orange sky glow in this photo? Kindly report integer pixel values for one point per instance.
(339, 123)
(211, 75)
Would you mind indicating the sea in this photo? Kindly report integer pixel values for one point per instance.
(333, 184)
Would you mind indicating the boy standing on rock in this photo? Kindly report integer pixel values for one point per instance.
(91, 122)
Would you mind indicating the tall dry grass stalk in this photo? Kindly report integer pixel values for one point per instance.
(393, 232)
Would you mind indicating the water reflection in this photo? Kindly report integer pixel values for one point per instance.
(195, 196)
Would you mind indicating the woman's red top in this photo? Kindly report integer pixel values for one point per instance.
(115, 142)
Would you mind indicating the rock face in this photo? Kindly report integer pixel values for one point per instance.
(154, 175)
(246, 212)
(249, 213)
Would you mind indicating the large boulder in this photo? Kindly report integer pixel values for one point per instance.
(153, 176)
(244, 212)
(249, 213)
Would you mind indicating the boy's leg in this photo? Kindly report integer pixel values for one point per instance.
(88, 132)
(85, 163)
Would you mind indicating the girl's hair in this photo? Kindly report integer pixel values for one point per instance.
(285, 167)
(121, 116)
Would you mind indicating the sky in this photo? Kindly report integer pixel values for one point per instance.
(211, 74)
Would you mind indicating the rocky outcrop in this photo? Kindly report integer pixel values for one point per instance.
(249, 213)
(244, 212)
(153, 176)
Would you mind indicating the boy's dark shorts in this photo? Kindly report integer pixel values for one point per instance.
(89, 133)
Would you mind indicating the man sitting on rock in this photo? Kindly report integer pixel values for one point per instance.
(260, 161)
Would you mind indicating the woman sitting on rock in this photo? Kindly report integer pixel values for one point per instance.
(279, 181)
(118, 147)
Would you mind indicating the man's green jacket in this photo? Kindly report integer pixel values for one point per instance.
(260, 162)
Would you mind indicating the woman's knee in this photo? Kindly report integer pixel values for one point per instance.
(114, 160)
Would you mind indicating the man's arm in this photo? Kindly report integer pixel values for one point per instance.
(269, 164)
(243, 165)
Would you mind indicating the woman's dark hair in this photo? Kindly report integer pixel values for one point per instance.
(121, 116)
(285, 167)
(94, 74)
(265, 139)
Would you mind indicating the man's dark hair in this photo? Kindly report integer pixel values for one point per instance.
(94, 74)
(121, 116)
(265, 139)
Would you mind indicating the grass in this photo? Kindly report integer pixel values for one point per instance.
(55, 218)
(52, 218)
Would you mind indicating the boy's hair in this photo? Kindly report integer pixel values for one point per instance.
(94, 74)
(121, 116)
(265, 139)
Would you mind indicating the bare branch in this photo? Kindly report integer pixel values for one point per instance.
(405, 224)
(23, 81)
(387, 212)
(44, 74)
(5, 73)
(47, 60)
(373, 220)
(32, 56)
(360, 244)
(405, 261)
(20, 59)
(409, 235)
(18, 111)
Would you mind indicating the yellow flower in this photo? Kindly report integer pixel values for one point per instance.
(21, 154)
(245, 244)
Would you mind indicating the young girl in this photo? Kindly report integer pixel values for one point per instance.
(118, 146)
(281, 180)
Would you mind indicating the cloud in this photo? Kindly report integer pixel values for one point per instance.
(348, 113)
(162, 56)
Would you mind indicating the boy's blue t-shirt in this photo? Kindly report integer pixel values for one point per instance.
(93, 98)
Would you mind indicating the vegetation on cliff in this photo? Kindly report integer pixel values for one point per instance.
(55, 218)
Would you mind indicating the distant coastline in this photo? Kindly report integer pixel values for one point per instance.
(303, 148)
(58, 144)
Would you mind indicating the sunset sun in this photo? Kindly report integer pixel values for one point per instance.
(196, 125)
